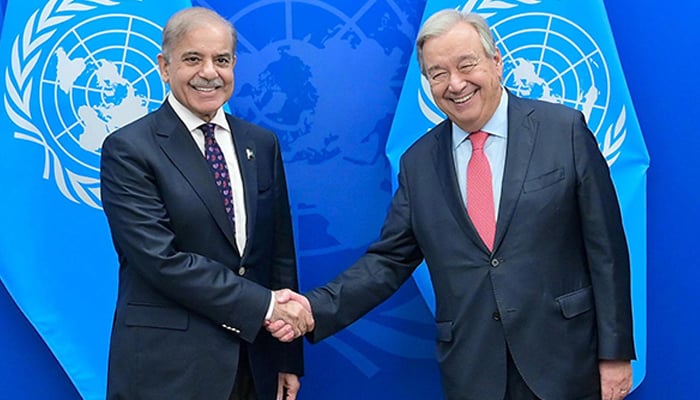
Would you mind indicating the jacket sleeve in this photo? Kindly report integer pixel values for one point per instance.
(145, 241)
(386, 265)
(605, 246)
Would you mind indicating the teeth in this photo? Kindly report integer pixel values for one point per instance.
(204, 89)
(465, 98)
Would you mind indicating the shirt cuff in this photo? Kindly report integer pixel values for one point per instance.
(270, 307)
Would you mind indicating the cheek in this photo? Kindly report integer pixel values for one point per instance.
(228, 77)
(437, 95)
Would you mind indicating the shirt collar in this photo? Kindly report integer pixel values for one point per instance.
(192, 121)
(496, 126)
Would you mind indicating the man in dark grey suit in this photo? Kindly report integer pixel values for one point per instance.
(197, 205)
(522, 236)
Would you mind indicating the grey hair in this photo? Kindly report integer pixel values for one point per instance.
(444, 20)
(190, 18)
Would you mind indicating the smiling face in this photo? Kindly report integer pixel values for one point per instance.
(464, 81)
(199, 69)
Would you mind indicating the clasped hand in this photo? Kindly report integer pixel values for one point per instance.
(291, 316)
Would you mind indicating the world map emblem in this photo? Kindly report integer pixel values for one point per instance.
(71, 83)
(289, 79)
(552, 58)
(325, 77)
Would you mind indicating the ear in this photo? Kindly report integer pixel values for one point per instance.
(498, 60)
(163, 67)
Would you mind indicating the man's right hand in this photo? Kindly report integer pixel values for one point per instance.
(291, 316)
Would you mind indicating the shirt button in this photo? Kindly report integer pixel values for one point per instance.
(241, 271)
(496, 316)
(495, 262)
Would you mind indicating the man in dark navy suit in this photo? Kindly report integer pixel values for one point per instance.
(510, 203)
(197, 205)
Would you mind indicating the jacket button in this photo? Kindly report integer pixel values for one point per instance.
(495, 262)
(496, 316)
(241, 271)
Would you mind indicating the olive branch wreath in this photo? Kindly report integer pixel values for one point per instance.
(26, 53)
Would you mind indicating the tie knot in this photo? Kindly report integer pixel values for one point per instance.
(478, 139)
(208, 130)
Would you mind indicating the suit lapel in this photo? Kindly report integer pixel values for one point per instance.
(181, 149)
(522, 132)
(443, 158)
(246, 150)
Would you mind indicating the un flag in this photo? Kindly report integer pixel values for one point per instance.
(74, 71)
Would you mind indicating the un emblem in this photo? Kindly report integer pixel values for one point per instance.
(77, 76)
(552, 58)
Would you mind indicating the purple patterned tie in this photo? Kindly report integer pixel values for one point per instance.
(217, 163)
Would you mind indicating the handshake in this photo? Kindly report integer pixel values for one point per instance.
(291, 316)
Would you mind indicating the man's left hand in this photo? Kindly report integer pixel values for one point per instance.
(615, 379)
(287, 386)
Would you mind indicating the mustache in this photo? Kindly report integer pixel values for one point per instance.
(206, 83)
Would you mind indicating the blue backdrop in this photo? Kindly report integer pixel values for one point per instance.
(344, 127)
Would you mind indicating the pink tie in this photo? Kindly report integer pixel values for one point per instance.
(480, 190)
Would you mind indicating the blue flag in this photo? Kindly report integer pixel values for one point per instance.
(74, 71)
(3, 4)
(563, 52)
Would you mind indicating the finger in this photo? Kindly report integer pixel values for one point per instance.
(300, 327)
(310, 323)
(288, 337)
(623, 393)
(280, 387)
(274, 326)
(284, 295)
(286, 330)
(301, 299)
(292, 384)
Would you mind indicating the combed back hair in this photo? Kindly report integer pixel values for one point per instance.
(188, 19)
(442, 21)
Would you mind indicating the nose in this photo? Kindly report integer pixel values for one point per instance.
(208, 70)
(457, 81)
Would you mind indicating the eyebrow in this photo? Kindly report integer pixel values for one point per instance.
(468, 57)
(434, 68)
(190, 53)
(196, 53)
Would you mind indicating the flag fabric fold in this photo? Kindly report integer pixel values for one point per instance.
(73, 71)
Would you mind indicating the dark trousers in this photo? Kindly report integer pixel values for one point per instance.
(244, 388)
(516, 388)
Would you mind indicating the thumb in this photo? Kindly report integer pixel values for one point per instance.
(283, 296)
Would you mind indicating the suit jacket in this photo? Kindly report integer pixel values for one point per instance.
(555, 290)
(187, 299)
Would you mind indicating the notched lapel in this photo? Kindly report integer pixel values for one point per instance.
(522, 133)
(246, 152)
(182, 151)
(443, 158)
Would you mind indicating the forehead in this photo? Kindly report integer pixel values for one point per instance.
(209, 38)
(459, 42)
